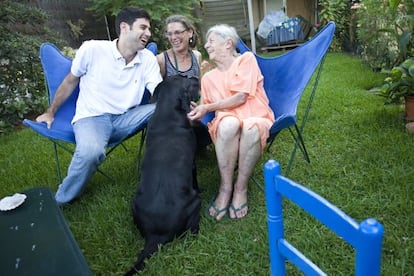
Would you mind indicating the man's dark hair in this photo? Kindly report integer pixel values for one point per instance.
(129, 15)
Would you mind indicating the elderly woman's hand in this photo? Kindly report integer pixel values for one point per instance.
(197, 112)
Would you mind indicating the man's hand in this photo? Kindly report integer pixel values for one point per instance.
(46, 117)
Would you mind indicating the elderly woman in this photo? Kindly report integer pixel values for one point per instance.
(234, 90)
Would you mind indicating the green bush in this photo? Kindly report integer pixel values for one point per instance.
(385, 32)
(22, 93)
(337, 11)
(159, 10)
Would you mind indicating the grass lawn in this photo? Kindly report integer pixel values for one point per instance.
(362, 160)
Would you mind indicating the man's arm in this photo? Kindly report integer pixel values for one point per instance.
(63, 92)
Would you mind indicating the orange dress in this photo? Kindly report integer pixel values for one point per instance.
(244, 75)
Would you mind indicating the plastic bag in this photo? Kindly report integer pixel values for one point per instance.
(271, 20)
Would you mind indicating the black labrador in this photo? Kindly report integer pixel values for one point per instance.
(167, 203)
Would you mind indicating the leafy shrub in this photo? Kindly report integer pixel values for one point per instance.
(337, 11)
(22, 30)
(159, 10)
(385, 32)
(398, 84)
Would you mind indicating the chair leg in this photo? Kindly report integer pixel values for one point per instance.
(301, 144)
(55, 145)
(125, 148)
(258, 184)
(106, 175)
(143, 134)
(270, 143)
(298, 142)
(57, 163)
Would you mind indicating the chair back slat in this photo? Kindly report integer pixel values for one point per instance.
(365, 237)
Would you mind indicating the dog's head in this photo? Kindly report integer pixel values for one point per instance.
(181, 90)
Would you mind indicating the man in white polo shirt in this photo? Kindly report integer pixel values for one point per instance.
(112, 77)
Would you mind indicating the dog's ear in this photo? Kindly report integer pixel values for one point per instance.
(189, 93)
(194, 88)
(185, 100)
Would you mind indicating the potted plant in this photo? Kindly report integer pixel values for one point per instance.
(398, 87)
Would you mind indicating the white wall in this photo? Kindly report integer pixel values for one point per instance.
(272, 5)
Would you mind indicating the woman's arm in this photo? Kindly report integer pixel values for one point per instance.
(231, 102)
(161, 63)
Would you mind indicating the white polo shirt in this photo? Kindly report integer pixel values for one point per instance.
(107, 84)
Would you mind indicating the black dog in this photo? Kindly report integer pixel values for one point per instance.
(167, 204)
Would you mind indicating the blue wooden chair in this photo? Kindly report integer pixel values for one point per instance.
(55, 67)
(365, 237)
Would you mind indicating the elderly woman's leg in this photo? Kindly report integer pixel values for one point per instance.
(249, 154)
(227, 148)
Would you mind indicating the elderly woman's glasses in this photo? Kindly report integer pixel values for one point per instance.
(176, 33)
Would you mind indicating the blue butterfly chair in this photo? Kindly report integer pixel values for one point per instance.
(365, 237)
(285, 79)
(55, 67)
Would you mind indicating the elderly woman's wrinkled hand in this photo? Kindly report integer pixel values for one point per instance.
(197, 112)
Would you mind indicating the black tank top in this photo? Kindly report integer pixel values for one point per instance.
(193, 71)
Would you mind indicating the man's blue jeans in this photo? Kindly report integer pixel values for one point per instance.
(92, 135)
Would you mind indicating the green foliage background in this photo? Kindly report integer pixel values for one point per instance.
(383, 32)
(22, 30)
(159, 10)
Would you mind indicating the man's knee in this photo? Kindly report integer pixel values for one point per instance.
(90, 153)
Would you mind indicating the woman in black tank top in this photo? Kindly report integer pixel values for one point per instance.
(182, 58)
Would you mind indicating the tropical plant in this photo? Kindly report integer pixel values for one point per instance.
(398, 84)
(337, 11)
(377, 47)
(403, 12)
(385, 32)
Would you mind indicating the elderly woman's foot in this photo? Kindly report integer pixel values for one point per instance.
(410, 127)
(238, 208)
(219, 205)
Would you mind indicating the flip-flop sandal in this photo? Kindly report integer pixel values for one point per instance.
(235, 210)
(216, 209)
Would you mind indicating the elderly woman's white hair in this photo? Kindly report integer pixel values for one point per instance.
(226, 32)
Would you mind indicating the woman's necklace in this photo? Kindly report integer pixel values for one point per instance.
(176, 60)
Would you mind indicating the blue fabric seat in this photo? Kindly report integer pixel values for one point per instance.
(55, 67)
(365, 237)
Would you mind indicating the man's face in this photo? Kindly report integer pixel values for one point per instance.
(137, 34)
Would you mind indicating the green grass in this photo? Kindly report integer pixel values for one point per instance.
(362, 160)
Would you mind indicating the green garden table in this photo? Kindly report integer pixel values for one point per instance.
(36, 240)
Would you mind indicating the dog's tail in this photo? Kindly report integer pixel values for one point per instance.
(151, 246)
